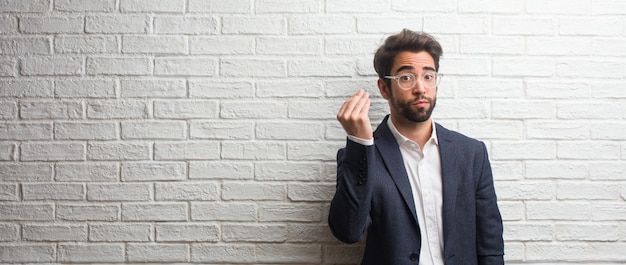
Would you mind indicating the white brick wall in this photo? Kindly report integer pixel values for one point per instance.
(203, 131)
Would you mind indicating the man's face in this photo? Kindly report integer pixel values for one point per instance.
(415, 104)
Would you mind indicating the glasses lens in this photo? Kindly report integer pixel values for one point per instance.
(406, 81)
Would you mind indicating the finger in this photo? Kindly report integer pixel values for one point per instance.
(349, 104)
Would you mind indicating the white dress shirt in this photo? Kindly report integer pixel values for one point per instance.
(424, 170)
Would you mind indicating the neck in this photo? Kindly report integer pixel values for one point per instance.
(418, 132)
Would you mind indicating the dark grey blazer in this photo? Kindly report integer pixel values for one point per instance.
(374, 195)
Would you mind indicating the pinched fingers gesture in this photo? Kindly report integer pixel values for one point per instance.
(353, 115)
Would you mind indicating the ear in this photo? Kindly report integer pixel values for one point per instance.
(384, 90)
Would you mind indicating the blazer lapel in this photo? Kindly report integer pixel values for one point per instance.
(447, 151)
(389, 150)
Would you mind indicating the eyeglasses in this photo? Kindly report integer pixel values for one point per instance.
(408, 81)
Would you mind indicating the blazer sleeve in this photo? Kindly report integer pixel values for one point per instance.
(348, 216)
(490, 244)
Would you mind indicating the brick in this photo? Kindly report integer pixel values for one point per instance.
(163, 130)
(216, 6)
(287, 171)
(557, 89)
(581, 110)
(188, 191)
(389, 25)
(86, 131)
(253, 68)
(313, 110)
(574, 68)
(491, 6)
(37, 66)
(154, 211)
(461, 109)
(221, 45)
(444, 6)
(185, 66)
(190, 150)
(223, 211)
(590, 26)
(149, 171)
(528, 232)
(27, 88)
(65, 232)
(562, 130)
(192, 25)
(26, 212)
(8, 25)
(88, 212)
(456, 24)
(511, 210)
(143, 6)
(119, 66)
(254, 233)
(9, 232)
(253, 110)
(286, 6)
(534, 150)
(59, 110)
(253, 151)
(609, 211)
(290, 213)
(466, 66)
(288, 89)
(289, 131)
(87, 172)
(53, 191)
(30, 6)
(607, 7)
(350, 46)
(312, 151)
(316, 68)
(52, 24)
(521, 25)
(234, 253)
(353, 6)
(91, 252)
(216, 130)
(25, 131)
(222, 170)
(8, 66)
(510, 130)
(582, 150)
(188, 232)
(26, 172)
(118, 109)
(159, 253)
(586, 190)
(253, 25)
(608, 131)
(311, 25)
(8, 192)
(310, 192)
(253, 191)
(111, 24)
(507, 170)
(116, 192)
(154, 45)
(220, 90)
(558, 211)
(52, 152)
(120, 232)
(523, 109)
(85, 88)
(281, 253)
(558, 7)
(85, 5)
(608, 47)
(24, 45)
(344, 253)
(539, 67)
(153, 88)
(187, 109)
(514, 190)
(587, 232)
(493, 45)
(606, 170)
(307, 233)
(26, 252)
(8, 110)
(289, 45)
(556, 170)
(573, 252)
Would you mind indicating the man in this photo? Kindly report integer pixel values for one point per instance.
(423, 194)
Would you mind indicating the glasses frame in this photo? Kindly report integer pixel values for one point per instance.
(438, 77)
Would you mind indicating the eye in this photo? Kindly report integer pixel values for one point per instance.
(429, 77)
(406, 77)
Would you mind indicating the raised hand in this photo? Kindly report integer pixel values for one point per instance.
(353, 115)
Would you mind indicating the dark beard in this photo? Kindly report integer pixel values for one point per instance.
(421, 115)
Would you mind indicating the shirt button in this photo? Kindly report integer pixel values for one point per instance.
(414, 256)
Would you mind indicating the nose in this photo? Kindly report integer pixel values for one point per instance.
(419, 87)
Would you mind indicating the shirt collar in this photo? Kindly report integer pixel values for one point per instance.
(401, 139)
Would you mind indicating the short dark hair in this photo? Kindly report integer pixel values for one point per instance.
(406, 40)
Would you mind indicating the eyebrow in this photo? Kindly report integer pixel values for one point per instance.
(409, 67)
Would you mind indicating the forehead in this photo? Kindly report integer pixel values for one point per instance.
(413, 60)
